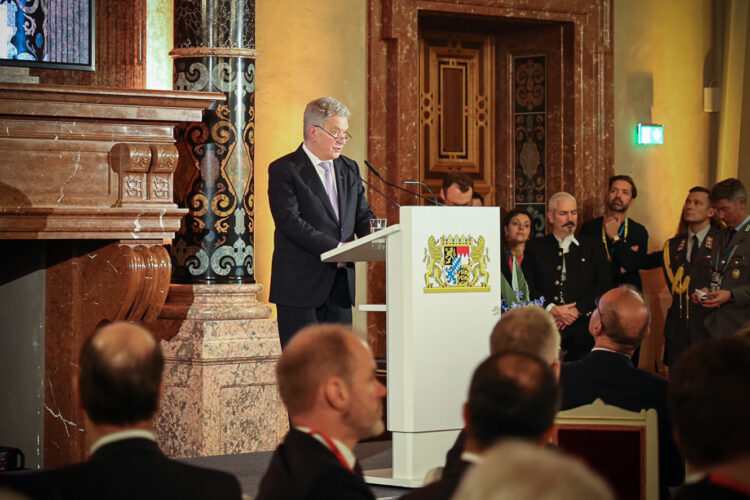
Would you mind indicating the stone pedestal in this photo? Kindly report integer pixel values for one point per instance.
(220, 395)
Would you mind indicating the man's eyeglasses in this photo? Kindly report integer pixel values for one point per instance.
(337, 135)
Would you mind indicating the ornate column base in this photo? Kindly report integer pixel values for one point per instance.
(220, 394)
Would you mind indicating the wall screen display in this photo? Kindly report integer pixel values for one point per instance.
(47, 33)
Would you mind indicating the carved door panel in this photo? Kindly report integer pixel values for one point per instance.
(456, 77)
(534, 119)
(493, 104)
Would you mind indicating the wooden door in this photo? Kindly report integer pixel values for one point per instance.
(493, 104)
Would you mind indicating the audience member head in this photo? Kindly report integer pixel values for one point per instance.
(517, 227)
(528, 329)
(729, 199)
(120, 375)
(708, 402)
(697, 211)
(326, 127)
(621, 194)
(327, 380)
(457, 190)
(512, 394)
(517, 470)
(562, 213)
(621, 320)
(477, 200)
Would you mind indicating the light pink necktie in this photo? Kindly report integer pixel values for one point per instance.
(330, 187)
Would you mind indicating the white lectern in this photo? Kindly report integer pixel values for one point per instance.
(442, 300)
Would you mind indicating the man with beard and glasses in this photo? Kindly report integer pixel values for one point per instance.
(569, 273)
(326, 378)
(625, 241)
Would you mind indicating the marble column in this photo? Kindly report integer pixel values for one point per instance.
(219, 342)
(214, 52)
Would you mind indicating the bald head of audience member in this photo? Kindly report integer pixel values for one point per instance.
(119, 383)
(710, 409)
(327, 380)
(516, 470)
(528, 329)
(621, 320)
(512, 394)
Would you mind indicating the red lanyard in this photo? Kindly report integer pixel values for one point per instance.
(730, 483)
(332, 446)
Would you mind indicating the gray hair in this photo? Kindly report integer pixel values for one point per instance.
(318, 110)
(516, 470)
(552, 203)
(528, 329)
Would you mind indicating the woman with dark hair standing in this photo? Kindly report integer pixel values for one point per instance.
(516, 232)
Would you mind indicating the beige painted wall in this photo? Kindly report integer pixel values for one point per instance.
(659, 76)
(307, 50)
(159, 41)
(659, 62)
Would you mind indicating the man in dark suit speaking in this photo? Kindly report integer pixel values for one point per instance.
(119, 386)
(327, 381)
(318, 203)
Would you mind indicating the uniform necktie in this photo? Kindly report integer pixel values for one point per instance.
(730, 233)
(330, 188)
(694, 250)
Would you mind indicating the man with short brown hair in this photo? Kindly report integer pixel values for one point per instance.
(326, 378)
(457, 190)
(119, 388)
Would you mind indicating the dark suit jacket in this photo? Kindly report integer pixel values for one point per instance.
(127, 469)
(588, 277)
(442, 489)
(613, 378)
(621, 252)
(304, 468)
(684, 325)
(732, 316)
(453, 456)
(705, 489)
(306, 226)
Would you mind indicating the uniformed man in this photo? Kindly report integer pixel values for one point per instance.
(687, 261)
(625, 240)
(729, 291)
(569, 272)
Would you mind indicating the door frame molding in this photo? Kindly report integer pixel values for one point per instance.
(393, 99)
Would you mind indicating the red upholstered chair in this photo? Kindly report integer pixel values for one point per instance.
(621, 445)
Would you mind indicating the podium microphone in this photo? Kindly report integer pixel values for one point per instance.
(374, 171)
(434, 198)
(356, 172)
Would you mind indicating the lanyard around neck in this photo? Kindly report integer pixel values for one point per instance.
(332, 446)
(623, 234)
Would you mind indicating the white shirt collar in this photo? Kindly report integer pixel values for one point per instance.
(471, 457)
(120, 436)
(700, 234)
(565, 242)
(610, 350)
(742, 224)
(343, 449)
(314, 159)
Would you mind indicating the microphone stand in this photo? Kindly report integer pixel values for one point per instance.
(356, 172)
(434, 198)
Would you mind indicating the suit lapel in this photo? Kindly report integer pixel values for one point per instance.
(309, 174)
(338, 168)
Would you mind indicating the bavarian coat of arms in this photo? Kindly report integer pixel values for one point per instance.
(456, 264)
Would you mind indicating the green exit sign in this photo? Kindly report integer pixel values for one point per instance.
(649, 133)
